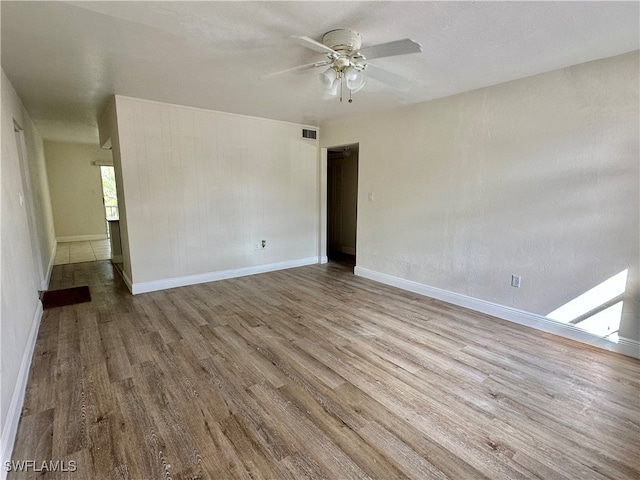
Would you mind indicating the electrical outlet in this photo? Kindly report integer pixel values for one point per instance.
(264, 243)
(515, 281)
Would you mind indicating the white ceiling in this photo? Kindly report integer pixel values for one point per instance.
(66, 59)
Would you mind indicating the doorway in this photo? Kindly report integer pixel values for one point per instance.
(26, 199)
(342, 203)
(112, 213)
(109, 192)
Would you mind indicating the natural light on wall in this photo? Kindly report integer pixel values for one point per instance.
(598, 310)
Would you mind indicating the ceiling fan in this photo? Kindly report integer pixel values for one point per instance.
(346, 60)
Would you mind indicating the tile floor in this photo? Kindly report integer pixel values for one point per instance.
(76, 252)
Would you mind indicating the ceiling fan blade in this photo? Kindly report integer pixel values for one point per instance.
(399, 47)
(387, 77)
(300, 67)
(313, 45)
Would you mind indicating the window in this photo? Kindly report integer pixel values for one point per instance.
(109, 192)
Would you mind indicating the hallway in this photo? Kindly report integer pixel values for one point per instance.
(87, 251)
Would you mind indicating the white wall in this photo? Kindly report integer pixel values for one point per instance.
(76, 190)
(21, 274)
(537, 177)
(40, 195)
(203, 187)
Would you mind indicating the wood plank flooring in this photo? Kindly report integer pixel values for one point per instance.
(315, 373)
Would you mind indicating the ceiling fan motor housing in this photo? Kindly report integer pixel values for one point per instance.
(342, 41)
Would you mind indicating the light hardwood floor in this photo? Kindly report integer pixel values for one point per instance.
(315, 373)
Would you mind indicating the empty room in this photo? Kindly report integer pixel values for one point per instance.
(324, 240)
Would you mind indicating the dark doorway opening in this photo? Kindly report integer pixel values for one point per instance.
(342, 203)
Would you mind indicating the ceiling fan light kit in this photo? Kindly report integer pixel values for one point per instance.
(346, 60)
(328, 77)
(343, 48)
(354, 79)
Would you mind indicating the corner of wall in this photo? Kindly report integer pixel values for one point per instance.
(52, 257)
(104, 123)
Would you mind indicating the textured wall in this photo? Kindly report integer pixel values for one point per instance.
(203, 187)
(537, 177)
(21, 276)
(76, 189)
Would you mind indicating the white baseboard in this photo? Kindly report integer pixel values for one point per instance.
(624, 346)
(629, 347)
(324, 259)
(10, 428)
(144, 287)
(82, 238)
(45, 282)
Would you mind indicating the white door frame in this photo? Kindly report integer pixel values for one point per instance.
(27, 194)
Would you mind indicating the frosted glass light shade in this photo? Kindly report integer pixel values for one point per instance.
(356, 90)
(354, 79)
(334, 88)
(328, 77)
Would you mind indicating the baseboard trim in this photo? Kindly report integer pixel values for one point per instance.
(116, 259)
(324, 259)
(624, 346)
(45, 282)
(145, 287)
(629, 347)
(82, 238)
(10, 428)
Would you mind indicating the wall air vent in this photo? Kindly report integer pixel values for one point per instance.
(308, 133)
